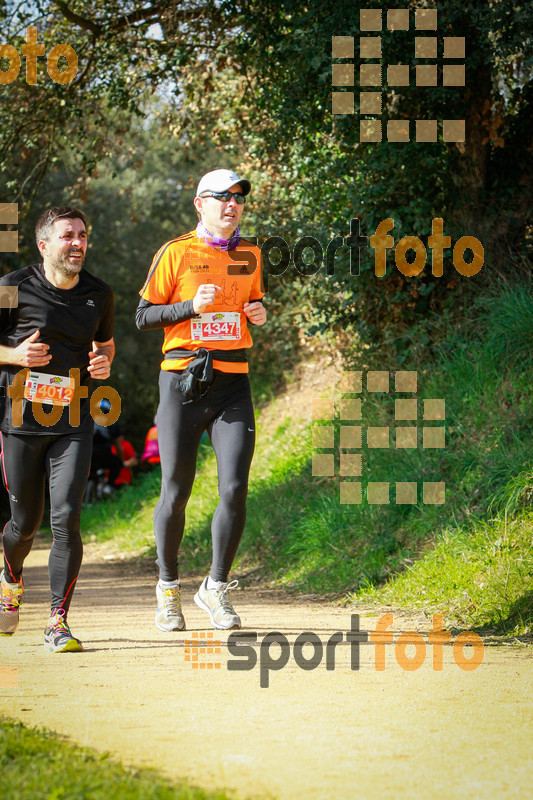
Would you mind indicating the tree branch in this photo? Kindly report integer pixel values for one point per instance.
(81, 22)
(148, 14)
(141, 15)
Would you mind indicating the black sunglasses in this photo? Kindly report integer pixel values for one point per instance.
(226, 196)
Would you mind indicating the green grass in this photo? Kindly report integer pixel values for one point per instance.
(478, 576)
(39, 765)
(298, 535)
(127, 518)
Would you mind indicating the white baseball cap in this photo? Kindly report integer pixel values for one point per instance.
(220, 180)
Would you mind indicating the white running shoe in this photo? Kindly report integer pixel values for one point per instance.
(10, 600)
(168, 616)
(218, 605)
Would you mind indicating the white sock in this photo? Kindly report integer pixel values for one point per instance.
(211, 584)
(168, 584)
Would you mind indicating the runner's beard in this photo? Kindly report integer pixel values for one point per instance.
(66, 268)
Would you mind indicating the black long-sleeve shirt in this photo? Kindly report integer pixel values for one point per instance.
(150, 316)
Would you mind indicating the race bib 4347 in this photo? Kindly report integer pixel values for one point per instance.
(216, 326)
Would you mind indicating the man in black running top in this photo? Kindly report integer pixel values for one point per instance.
(204, 288)
(56, 335)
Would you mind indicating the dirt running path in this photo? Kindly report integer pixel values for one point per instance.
(316, 734)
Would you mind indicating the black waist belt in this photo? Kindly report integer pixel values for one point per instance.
(219, 355)
(194, 381)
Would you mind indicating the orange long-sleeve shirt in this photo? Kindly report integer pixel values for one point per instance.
(182, 265)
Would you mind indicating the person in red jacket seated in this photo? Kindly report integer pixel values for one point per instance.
(130, 460)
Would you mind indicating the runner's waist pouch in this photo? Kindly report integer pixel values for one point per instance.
(194, 381)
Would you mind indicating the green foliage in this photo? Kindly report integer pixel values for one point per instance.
(38, 765)
(509, 337)
(121, 58)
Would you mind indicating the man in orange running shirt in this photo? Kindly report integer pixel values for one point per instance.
(204, 288)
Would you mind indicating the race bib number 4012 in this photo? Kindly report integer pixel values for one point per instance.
(216, 326)
(49, 389)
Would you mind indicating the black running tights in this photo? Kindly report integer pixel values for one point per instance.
(26, 462)
(226, 413)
